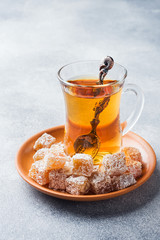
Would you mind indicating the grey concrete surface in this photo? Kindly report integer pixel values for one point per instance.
(36, 39)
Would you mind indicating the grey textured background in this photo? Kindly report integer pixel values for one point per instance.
(36, 39)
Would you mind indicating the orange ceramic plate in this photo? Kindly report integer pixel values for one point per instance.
(24, 160)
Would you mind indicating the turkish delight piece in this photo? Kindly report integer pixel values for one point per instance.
(77, 185)
(134, 167)
(100, 183)
(39, 155)
(45, 141)
(53, 161)
(57, 179)
(82, 164)
(133, 153)
(39, 173)
(58, 149)
(114, 164)
(123, 181)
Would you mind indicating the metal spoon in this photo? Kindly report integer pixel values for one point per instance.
(90, 143)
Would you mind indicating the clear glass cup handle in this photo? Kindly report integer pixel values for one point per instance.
(135, 114)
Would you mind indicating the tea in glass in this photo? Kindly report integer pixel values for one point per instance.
(93, 109)
(81, 104)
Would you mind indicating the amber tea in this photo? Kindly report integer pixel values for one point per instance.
(83, 103)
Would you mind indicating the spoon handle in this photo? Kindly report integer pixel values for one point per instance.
(107, 64)
(98, 109)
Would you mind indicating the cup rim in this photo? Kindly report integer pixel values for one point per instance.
(121, 81)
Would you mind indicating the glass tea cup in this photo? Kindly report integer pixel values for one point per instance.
(93, 110)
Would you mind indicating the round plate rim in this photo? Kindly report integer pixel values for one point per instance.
(67, 196)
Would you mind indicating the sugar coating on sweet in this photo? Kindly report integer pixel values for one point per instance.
(57, 179)
(58, 148)
(133, 153)
(45, 141)
(123, 181)
(95, 168)
(134, 167)
(100, 183)
(53, 161)
(39, 173)
(114, 164)
(68, 168)
(77, 185)
(39, 155)
(82, 164)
